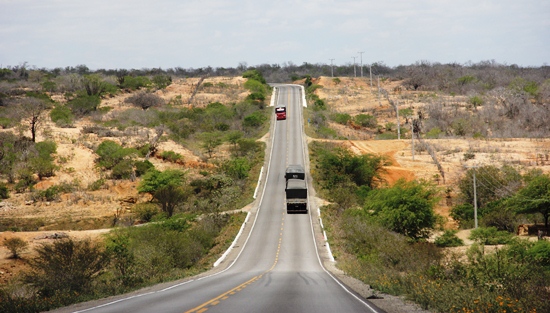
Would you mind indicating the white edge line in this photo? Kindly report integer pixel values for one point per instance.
(313, 231)
(331, 276)
(224, 255)
(211, 275)
(258, 184)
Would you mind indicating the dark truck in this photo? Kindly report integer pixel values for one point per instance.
(295, 171)
(296, 196)
(296, 189)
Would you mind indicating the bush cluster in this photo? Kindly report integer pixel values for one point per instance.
(382, 244)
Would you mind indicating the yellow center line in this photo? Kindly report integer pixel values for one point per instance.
(215, 301)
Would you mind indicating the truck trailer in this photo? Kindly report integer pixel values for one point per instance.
(295, 171)
(296, 196)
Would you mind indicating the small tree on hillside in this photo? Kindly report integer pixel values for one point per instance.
(166, 187)
(406, 208)
(16, 246)
(534, 198)
(210, 141)
(145, 100)
(33, 112)
(65, 266)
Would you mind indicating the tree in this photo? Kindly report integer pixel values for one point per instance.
(169, 197)
(493, 183)
(210, 141)
(83, 105)
(145, 100)
(534, 198)
(162, 81)
(94, 84)
(339, 165)
(16, 246)
(32, 110)
(65, 266)
(233, 137)
(42, 164)
(406, 208)
(166, 187)
(111, 153)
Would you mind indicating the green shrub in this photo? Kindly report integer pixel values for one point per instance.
(50, 194)
(540, 253)
(171, 156)
(145, 100)
(255, 75)
(386, 136)
(255, 119)
(7, 122)
(49, 86)
(319, 104)
(146, 211)
(135, 83)
(468, 79)
(66, 266)
(256, 96)
(142, 167)
(434, 133)
(237, 168)
(247, 146)
(366, 120)
(341, 118)
(449, 239)
(490, 236)
(405, 208)
(84, 105)
(162, 81)
(4, 191)
(476, 101)
(96, 185)
(110, 154)
(123, 170)
(255, 87)
(16, 246)
(62, 116)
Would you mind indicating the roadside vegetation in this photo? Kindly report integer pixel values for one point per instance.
(188, 222)
(389, 237)
(378, 234)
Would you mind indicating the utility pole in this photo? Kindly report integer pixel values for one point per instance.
(378, 80)
(331, 68)
(398, 126)
(412, 137)
(475, 194)
(370, 70)
(354, 70)
(475, 200)
(361, 54)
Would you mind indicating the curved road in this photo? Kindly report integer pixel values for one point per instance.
(278, 268)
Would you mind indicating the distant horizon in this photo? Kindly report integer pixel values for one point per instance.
(139, 34)
(284, 64)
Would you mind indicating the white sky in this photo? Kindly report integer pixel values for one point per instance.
(135, 34)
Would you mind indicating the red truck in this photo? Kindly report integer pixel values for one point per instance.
(280, 111)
